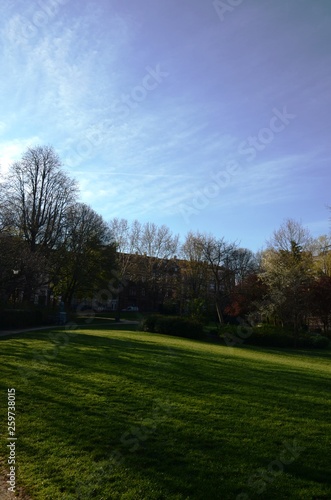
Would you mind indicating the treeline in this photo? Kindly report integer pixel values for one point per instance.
(49, 241)
(52, 245)
(288, 284)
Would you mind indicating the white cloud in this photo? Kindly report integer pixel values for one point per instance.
(12, 151)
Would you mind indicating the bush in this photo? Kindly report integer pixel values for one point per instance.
(229, 334)
(173, 325)
(212, 331)
(149, 323)
(312, 342)
(20, 318)
(320, 342)
(228, 329)
(275, 336)
(271, 336)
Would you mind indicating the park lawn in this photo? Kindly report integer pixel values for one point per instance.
(119, 414)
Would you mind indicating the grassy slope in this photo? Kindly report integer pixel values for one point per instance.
(129, 415)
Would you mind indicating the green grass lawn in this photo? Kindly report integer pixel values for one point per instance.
(118, 414)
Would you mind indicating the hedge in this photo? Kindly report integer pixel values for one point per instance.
(173, 325)
(20, 318)
(272, 336)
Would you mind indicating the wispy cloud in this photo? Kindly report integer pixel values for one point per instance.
(12, 150)
(68, 82)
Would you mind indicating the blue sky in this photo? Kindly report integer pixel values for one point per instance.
(201, 115)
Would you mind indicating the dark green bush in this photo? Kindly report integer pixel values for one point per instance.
(213, 331)
(20, 318)
(149, 323)
(275, 336)
(308, 341)
(228, 329)
(173, 325)
(320, 342)
(270, 336)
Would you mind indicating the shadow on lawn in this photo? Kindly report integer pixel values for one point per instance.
(135, 358)
(93, 398)
(313, 474)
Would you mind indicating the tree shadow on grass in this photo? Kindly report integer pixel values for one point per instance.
(97, 397)
(317, 475)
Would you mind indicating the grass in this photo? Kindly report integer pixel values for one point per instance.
(120, 414)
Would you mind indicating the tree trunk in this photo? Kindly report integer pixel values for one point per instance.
(219, 313)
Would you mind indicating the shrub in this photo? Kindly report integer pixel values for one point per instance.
(229, 334)
(197, 310)
(320, 342)
(173, 325)
(229, 329)
(275, 336)
(312, 342)
(20, 318)
(270, 337)
(212, 331)
(170, 307)
(149, 323)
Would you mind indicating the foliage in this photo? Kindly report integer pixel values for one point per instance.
(21, 270)
(322, 255)
(320, 299)
(320, 342)
(173, 325)
(149, 322)
(21, 318)
(197, 309)
(49, 243)
(228, 330)
(84, 262)
(170, 307)
(275, 336)
(247, 296)
(271, 336)
(287, 275)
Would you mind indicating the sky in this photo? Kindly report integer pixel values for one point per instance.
(197, 114)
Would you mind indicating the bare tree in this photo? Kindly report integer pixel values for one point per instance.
(145, 254)
(290, 232)
(125, 238)
(159, 247)
(211, 261)
(242, 262)
(218, 254)
(195, 272)
(37, 194)
(157, 242)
